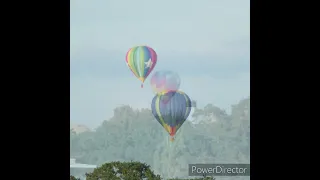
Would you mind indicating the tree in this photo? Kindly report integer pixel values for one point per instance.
(135, 135)
(73, 178)
(123, 171)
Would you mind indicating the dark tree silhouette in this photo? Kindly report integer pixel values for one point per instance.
(123, 171)
(73, 178)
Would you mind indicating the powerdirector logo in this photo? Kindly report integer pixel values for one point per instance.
(219, 169)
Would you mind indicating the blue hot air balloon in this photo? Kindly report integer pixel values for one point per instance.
(173, 113)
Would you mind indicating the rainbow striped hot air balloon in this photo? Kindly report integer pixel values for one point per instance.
(171, 115)
(141, 60)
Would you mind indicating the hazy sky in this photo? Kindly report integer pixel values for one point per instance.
(207, 42)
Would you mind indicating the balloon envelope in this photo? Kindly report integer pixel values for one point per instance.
(141, 60)
(171, 115)
(165, 81)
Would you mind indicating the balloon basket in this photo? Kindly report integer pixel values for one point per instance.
(141, 85)
(171, 139)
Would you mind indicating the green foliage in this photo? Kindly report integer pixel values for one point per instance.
(123, 171)
(134, 135)
(73, 178)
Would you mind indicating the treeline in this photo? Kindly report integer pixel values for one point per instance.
(134, 135)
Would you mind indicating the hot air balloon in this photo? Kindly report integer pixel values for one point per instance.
(141, 60)
(171, 115)
(165, 81)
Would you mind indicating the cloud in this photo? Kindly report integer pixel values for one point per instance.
(200, 27)
(207, 42)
